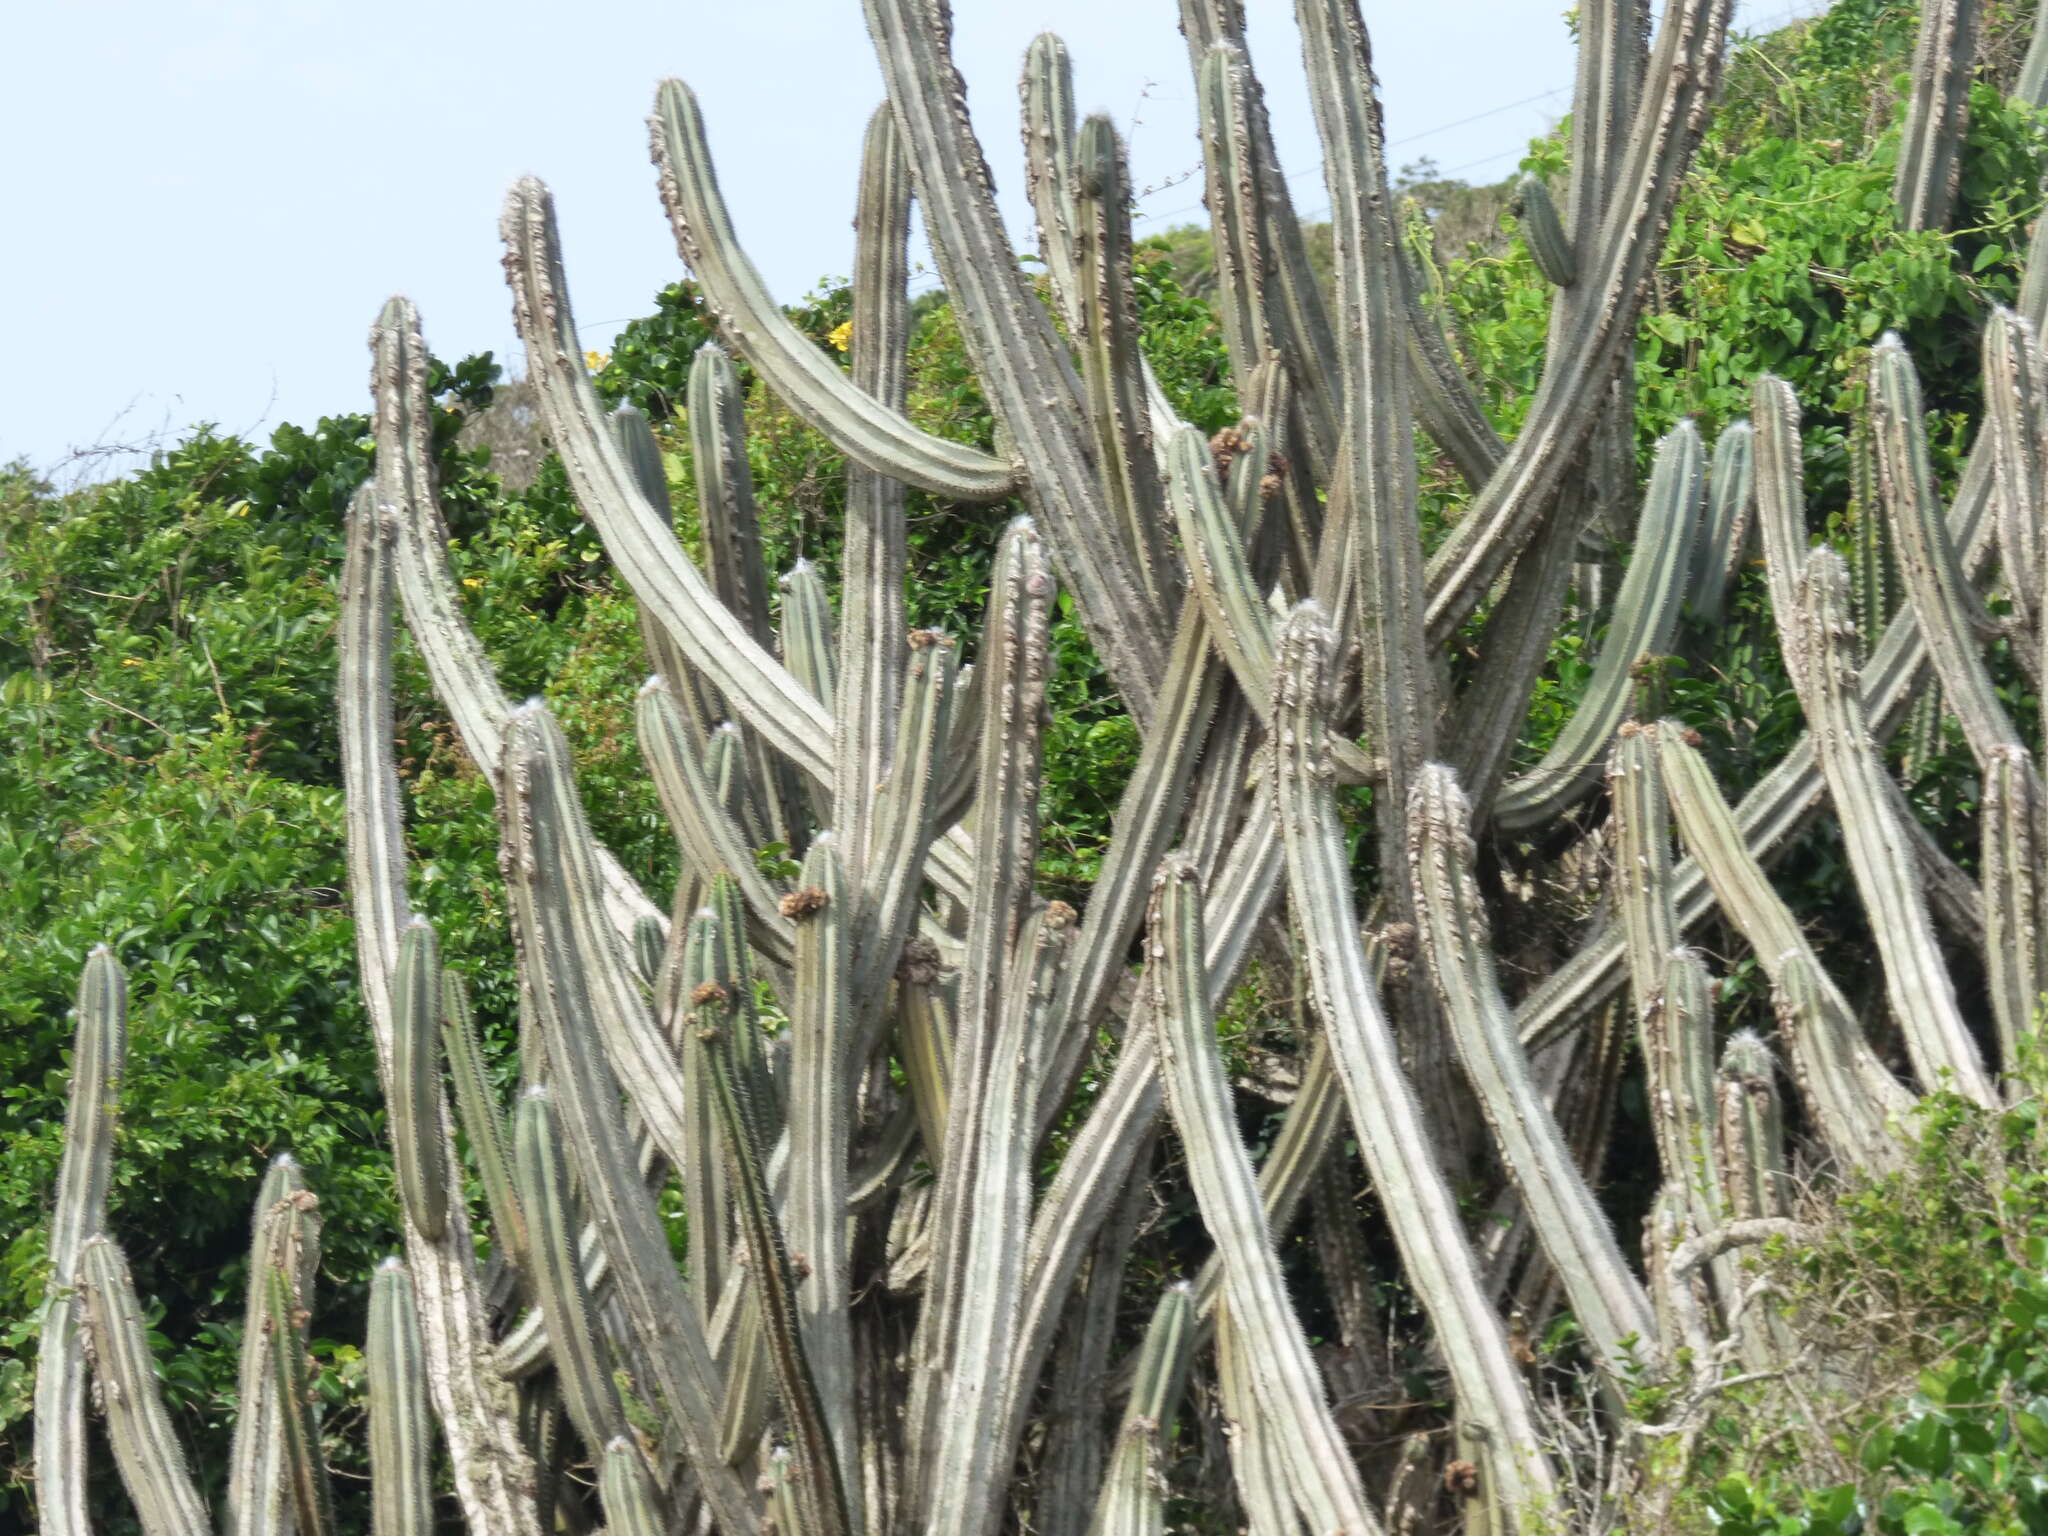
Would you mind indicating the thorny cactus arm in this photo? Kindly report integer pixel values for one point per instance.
(800, 373)
(2015, 919)
(2016, 413)
(1851, 1096)
(1880, 857)
(1024, 370)
(1646, 613)
(1049, 115)
(540, 826)
(1937, 113)
(873, 557)
(98, 1055)
(716, 1015)
(1544, 232)
(285, 1235)
(1951, 616)
(582, 1365)
(1132, 1501)
(418, 1147)
(306, 1485)
(146, 1449)
(462, 674)
(1731, 505)
(1285, 1384)
(1428, 1230)
(483, 1122)
(491, 1469)
(1683, 74)
(1605, 1297)
(401, 1427)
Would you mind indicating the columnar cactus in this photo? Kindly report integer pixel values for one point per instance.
(868, 1089)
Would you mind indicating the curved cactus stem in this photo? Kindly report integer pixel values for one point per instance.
(491, 1472)
(1047, 92)
(146, 1450)
(1731, 519)
(1951, 616)
(401, 1424)
(1392, 1137)
(903, 821)
(969, 1467)
(716, 1017)
(1574, 1233)
(631, 1505)
(1646, 616)
(1372, 483)
(809, 648)
(635, 437)
(1256, 1466)
(305, 1467)
(1133, 1500)
(1285, 1385)
(285, 1234)
(1224, 100)
(582, 1365)
(1937, 115)
(794, 366)
(483, 1122)
(1850, 1094)
(1683, 74)
(1544, 232)
(1820, 640)
(873, 557)
(2016, 414)
(1013, 668)
(540, 823)
(462, 674)
(822, 1029)
(711, 840)
(1113, 377)
(419, 1146)
(98, 1057)
(2015, 923)
(1024, 370)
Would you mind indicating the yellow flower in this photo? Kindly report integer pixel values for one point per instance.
(472, 581)
(131, 661)
(596, 362)
(842, 335)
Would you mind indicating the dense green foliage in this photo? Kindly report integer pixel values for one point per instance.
(170, 783)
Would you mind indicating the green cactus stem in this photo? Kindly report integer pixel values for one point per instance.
(401, 1421)
(285, 1236)
(418, 1140)
(1937, 115)
(1544, 232)
(286, 1318)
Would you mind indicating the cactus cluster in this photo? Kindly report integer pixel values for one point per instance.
(899, 1287)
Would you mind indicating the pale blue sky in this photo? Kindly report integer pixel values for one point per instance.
(213, 197)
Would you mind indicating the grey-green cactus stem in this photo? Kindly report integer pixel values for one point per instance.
(1047, 93)
(1819, 635)
(1544, 232)
(1951, 616)
(1730, 524)
(540, 823)
(1456, 937)
(1285, 1384)
(822, 1031)
(582, 1364)
(631, 1505)
(1133, 1497)
(1024, 370)
(2015, 934)
(483, 1122)
(1682, 76)
(1112, 367)
(2016, 411)
(809, 648)
(800, 373)
(820, 1487)
(1385, 1115)
(98, 1055)
(1852, 1098)
(490, 1469)
(1937, 115)
(419, 1144)
(291, 1363)
(873, 555)
(1646, 614)
(285, 1234)
(146, 1449)
(401, 1421)
(1373, 481)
